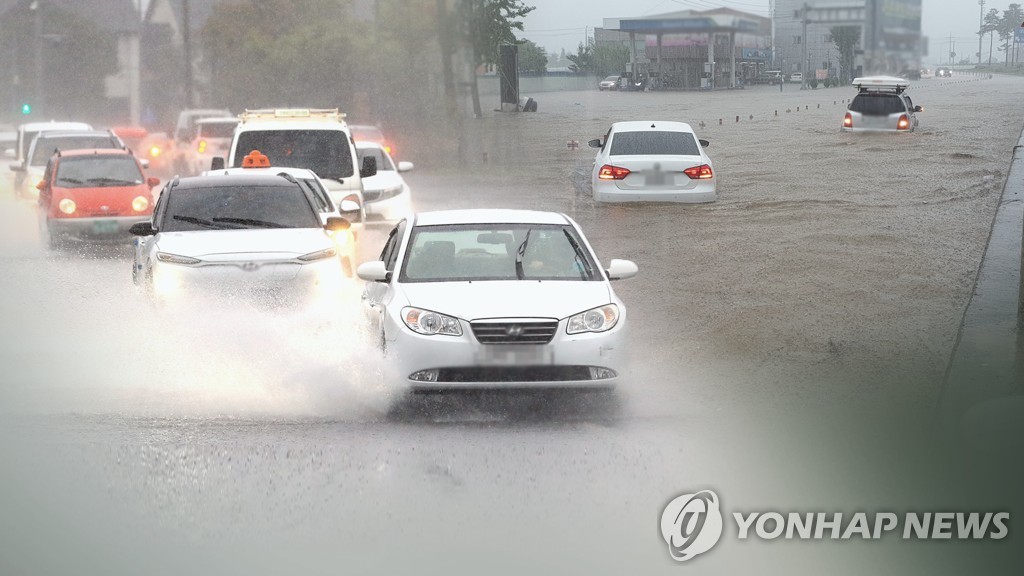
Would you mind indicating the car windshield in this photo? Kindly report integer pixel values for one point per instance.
(238, 206)
(46, 145)
(611, 78)
(474, 252)
(654, 143)
(216, 129)
(95, 171)
(383, 160)
(325, 152)
(877, 104)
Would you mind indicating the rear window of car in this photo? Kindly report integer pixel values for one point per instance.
(652, 143)
(97, 171)
(877, 104)
(235, 207)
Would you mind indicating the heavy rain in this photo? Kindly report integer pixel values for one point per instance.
(788, 343)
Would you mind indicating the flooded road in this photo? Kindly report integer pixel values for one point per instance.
(790, 342)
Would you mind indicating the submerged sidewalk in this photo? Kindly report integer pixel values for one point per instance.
(983, 400)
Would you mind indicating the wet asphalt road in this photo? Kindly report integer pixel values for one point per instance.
(212, 439)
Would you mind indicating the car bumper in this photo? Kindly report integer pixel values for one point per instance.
(272, 283)
(607, 191)
(425, 363)
(113, 229)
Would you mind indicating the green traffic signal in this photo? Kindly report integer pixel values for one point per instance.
(26, 108)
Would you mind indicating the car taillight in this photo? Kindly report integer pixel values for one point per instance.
(202, 146)
(609, 172)
(848, 121)
(702, 172)
(903, 123)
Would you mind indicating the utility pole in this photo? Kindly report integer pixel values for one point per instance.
(186, 38)
(803, 40)
(981, 27)
(37, 44)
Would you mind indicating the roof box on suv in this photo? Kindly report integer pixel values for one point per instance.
(880, 83)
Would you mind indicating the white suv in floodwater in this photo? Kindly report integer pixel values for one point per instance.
(881, 105)
(316, 139)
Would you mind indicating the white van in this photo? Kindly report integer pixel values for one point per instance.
(316, 139)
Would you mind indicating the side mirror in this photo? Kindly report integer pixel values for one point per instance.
(144, 163)
(369, 167)
(405, 166)
(152, 181)
(595, 143)
(335, 224)
(217, 163)
(621, 269)
(918, 108)
(704, 142)
(42, 185)
(375, 271)
(142, 229)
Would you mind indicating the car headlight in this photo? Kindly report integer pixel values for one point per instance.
(140, 203)
(176, 259)
(595, 320)
(319, 255)
(67, 206)
(429, 323)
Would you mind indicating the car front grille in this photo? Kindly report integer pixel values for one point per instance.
(515, 374)
(514, 332)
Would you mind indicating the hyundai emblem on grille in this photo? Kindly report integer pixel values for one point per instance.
(514, 330)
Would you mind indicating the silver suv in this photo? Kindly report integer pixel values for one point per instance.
(881, 105)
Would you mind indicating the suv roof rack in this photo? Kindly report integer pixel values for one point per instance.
(292, 114)
(881, 83)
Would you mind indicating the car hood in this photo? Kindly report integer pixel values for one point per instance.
(508, 299)
(262, 244)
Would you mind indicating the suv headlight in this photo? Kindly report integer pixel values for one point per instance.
(319, 255)
(598, 319)
(429, 323)
(176, 259)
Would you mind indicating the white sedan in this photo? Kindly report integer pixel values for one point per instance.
(386, 193)
(495, 298)
(652, 161)
(350, 208)
(249, 236)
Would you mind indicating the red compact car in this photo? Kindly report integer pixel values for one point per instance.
(94, 196)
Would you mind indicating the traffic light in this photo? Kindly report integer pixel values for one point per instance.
(26, 108)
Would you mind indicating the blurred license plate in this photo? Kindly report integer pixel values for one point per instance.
(515, 355)
(104, 227)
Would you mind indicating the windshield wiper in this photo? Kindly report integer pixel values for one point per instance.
(71, 180)
(520, 274)
(197, 221)
(580, 257)
(251, 222)
(105, 180)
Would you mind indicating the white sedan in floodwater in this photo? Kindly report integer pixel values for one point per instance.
(386, 193)
(652, 161)
(496, 298)
(249, 236)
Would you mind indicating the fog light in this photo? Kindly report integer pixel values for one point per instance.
(598, 373)
(424, 376)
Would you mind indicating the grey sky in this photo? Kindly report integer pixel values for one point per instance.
(557, 24)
